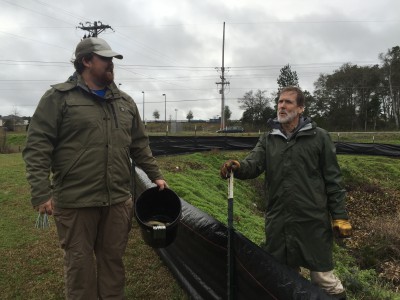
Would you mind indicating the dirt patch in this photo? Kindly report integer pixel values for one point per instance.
(180, 166)
(375, 217)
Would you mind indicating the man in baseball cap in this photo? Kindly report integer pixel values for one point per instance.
(86, 131)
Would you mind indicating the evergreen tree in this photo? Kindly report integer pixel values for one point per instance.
(189, 116)
(227, 113)
(287, 77)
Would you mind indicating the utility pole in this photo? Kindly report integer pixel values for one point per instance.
(94, 29)
(165, 101)
(223, 82)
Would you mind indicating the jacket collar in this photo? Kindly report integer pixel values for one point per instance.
(305, 124)
(76, 80)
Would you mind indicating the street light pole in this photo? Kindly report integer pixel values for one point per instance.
(143, 107)
(165, 99)
(176, 115)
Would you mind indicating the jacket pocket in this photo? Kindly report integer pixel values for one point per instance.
(82, 124)
(66, 170)
(81, 113)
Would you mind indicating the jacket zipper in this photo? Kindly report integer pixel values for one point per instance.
(114, 115)
(106, 118)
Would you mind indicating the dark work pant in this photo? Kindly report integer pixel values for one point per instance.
(94, 240)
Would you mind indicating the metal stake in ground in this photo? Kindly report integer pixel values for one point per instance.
(231, 254)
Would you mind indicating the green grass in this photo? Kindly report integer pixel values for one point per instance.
(27, 257)
(13, 191)
(31, 259)
(16, 139)
(373, 170)
(195, 178)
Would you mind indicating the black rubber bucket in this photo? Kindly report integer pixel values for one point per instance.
(158, 214)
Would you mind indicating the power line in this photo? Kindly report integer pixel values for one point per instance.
(198, 24)
(313, 22)
(147, 48)
(259, 23)
(58, 9)
(37, 12)
(27, 38)
(149, 77)
(209, 68)
(184, 100)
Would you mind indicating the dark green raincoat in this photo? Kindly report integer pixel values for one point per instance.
(304, 191)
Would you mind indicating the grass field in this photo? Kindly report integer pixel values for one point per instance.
(31, 261)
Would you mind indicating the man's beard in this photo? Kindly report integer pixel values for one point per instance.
(290, 116)
(105, 78)
(108, 77)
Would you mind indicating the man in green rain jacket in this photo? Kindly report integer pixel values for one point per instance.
(85, 132)
(306, 197)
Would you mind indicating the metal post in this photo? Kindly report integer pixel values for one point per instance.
(231, 253)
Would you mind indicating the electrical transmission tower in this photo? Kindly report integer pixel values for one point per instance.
(94, 29)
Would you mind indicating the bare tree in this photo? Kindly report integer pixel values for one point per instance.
(391, 68)
(156, 115)
(189, 116)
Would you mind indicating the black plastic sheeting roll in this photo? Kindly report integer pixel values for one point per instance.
(170, 145)
(368, 149)
(198, 260)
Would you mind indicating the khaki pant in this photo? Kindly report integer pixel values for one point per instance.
(327, 281)
(94, 241)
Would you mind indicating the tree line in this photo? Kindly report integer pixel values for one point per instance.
(353, 97)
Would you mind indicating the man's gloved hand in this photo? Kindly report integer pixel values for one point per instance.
(227, 167)
(342, 228)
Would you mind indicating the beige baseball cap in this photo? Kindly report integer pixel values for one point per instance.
(97, 46)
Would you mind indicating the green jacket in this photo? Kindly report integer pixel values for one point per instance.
(305, 191)
(85, 142)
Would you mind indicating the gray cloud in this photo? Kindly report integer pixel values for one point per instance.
(173, 47)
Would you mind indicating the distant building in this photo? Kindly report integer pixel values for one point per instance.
(215, 120)
(13, 123)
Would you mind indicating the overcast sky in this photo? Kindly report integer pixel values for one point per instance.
(174, 47)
